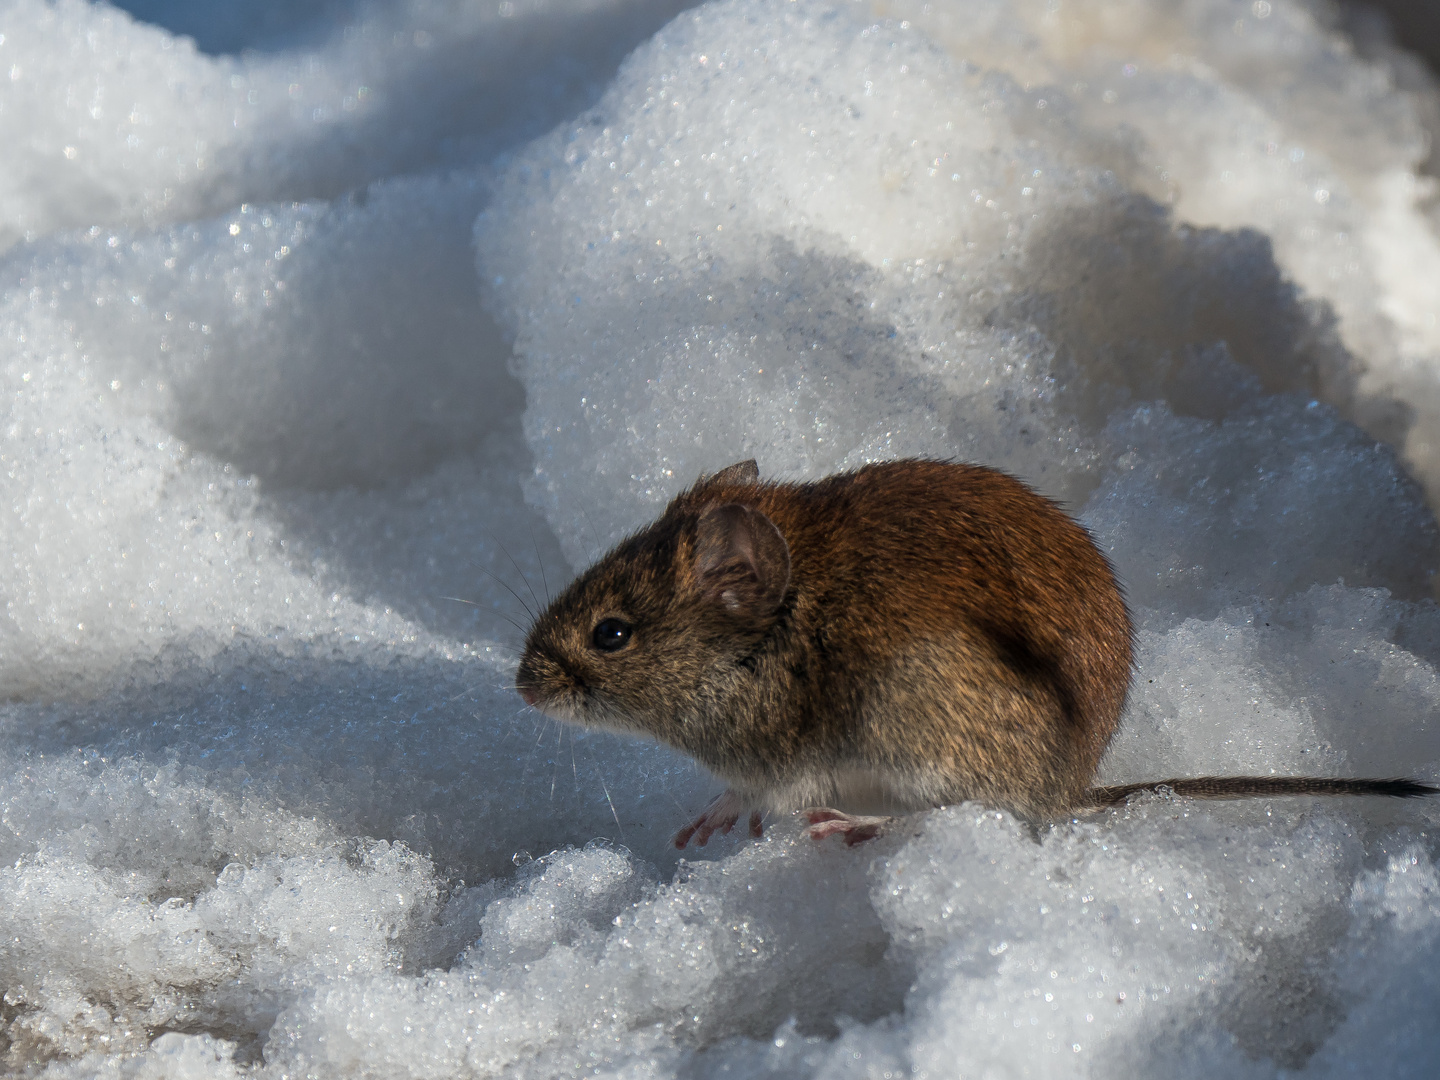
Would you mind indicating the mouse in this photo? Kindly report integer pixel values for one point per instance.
(903, 636)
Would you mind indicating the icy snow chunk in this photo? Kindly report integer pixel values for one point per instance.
(172, 1056)
(284, 902)
(1396, 930)
(312, 346)
(110, 120)
(904, 255)
(1277, 474)
(573, 900)
(1228, 139)
(106, 119)
(1100, 948)
(1206, 703)
(729, 226)
(1315, 685)
(713, 954)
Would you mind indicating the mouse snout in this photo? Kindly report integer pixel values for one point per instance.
(527, 681)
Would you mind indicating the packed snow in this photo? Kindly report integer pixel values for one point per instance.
(334, 336)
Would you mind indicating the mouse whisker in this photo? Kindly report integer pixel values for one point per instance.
(526, 580)
(508, 656)
(512, 729)
(540, 561)
(535, 746)
(594, 535)
(520, 629)
(599, 775)
(489, 610)
(506, 586)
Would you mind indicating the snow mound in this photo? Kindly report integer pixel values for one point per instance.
(334, 343)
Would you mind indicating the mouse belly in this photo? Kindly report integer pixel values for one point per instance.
(858, 789)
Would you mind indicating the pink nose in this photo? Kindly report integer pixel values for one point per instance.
(529, 696)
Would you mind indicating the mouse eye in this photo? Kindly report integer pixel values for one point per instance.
(610, 634)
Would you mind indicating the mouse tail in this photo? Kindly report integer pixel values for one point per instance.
(1257, 787)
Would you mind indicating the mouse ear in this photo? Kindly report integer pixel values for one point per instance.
(742, 472)
(741, 560)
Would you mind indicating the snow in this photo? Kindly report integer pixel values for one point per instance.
(337, 337)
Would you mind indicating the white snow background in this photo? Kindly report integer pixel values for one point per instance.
(331, 342)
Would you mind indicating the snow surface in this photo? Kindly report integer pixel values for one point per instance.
(330, 349)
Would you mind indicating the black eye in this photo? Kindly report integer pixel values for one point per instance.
(611, 634)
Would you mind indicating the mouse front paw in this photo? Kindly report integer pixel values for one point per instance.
(855, 829)
(720, 816)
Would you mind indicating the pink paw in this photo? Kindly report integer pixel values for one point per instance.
(856, 830)
(720, 816)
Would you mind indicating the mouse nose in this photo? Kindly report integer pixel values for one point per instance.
(527, 695)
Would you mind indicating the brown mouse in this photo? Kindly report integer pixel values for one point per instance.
(907, 635)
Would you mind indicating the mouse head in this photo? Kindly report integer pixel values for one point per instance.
(655, 633)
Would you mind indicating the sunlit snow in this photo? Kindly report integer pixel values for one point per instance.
(334, 339)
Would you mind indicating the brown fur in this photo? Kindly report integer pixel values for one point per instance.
(910, 634)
